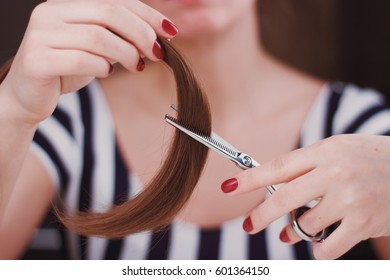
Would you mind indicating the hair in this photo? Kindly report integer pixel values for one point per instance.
(161, 199)
(5, 69)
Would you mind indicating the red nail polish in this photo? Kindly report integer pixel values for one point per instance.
(140, 65)
(158, 50)
(169, 27)
(284, 237)
(229, 185)
(247, 225)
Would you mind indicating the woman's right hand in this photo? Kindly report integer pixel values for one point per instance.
(69, 42)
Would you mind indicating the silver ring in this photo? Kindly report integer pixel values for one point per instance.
(318, 237)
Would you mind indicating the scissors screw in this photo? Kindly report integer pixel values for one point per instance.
(247, 161)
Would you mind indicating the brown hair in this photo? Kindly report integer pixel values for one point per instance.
(5, 69)
(171, 187)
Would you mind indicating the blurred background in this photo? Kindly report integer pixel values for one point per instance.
(346, 40)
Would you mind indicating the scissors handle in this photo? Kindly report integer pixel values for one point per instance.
(295, 214)
(318, 237)
(244, 161)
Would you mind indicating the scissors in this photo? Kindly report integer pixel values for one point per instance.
(244, 161)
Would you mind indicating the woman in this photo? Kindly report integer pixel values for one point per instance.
(111, 135)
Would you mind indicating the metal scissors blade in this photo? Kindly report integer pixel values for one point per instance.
(244, 161)
(221, 146)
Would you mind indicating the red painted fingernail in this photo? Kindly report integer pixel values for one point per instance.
(284, 237)
(158, 50)
(140, 65)
(169, 27)
(229, 185)
(247, 225)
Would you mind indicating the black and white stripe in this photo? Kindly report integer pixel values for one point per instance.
(79, 148)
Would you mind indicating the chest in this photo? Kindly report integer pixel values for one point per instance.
(144, 139)
(144, 146)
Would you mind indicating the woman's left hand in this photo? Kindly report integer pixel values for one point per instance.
(351, 175)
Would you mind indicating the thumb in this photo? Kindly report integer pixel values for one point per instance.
(74, 83)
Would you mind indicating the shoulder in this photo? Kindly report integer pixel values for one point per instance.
(78, 100)
(59, 140)
(361, 97)
(357, 109)
(343, 108)
(73, 109)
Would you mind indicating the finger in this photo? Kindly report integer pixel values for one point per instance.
(161, 24)
(334, 246)
(118, 19)
(73, 63)
(323, 216)
(291, 196)
(97, 40)
(339, 242)
(288, 235)
(279, 170)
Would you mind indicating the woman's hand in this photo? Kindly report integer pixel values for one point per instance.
(69, 42)
(351, 175)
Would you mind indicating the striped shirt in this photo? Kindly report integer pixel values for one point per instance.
(77, 144)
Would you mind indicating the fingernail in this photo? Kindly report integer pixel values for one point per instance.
(229, 185)
(140, 65)
(158, 50)
(284, 237)
(247, 225)
(169, 27)
(111, 69)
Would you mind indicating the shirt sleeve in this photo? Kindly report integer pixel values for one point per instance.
(57, 142)
(362, 111)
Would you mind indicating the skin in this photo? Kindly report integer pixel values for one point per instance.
(227, 120)
(24, 104)
(353, 187)
(86, 49)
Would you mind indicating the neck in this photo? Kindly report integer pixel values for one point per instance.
(235, 73)
(223, 62)
(239, 78)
